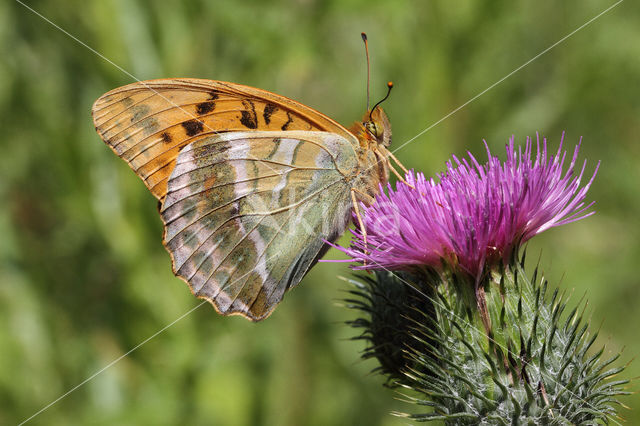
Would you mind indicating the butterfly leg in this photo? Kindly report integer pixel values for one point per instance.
(387, 157)
(356, 207)
(390, 154)
(398, 175)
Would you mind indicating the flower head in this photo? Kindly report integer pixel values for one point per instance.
(474, 215)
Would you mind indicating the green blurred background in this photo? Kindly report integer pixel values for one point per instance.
(83, 274)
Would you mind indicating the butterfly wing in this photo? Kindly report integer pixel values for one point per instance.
(246, 213)
(147, 123)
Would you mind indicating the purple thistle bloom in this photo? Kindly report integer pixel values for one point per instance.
(475, 216)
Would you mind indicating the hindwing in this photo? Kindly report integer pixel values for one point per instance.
(246, 213)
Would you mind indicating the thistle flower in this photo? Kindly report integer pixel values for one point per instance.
(475, 215)
(515, 359)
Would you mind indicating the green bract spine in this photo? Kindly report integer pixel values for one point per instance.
(531, 363)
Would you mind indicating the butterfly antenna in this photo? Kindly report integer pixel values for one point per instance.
(389, 87)
(366, 51)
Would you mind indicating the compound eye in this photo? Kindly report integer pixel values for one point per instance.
(373, 129)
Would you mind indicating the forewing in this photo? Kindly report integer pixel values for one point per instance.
(246, 213)
(149, 122)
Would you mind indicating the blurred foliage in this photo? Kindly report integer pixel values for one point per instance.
(84, 277)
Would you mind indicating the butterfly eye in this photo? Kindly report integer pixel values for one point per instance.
(374, 129)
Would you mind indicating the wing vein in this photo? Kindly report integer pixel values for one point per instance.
(121, 112)
(266, 248)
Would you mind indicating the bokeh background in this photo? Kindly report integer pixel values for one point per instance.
(83, 274)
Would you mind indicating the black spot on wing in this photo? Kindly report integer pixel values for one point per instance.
(205, 107)
(213, 95)
(269, 109)
(249, 118)
(166, 137)
(289, 121)
(193, 127)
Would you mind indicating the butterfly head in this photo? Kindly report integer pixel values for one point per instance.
(376, 123)
(377, 126)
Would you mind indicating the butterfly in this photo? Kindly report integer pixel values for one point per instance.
(250, 184)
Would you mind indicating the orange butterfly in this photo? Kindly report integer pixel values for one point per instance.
(249, 183)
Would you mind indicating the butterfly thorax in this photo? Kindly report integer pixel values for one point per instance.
(374, 136)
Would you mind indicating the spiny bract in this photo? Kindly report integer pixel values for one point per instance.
(534, 366)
